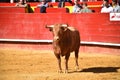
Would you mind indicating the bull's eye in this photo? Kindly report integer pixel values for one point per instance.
(62, 28)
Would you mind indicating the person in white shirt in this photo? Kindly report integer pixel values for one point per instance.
(85, 9)
(21, 3)
(77, 7)
(106, 7)
(115, 6)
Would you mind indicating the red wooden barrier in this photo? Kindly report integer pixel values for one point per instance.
(53, 10)
(7, 4)
(12, 10)
(93, 27)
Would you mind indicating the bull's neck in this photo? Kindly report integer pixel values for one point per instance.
(65, 35)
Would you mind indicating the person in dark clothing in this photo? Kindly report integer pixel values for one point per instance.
(29, 9)
(43, 6)
(61, 3)
(119, 2)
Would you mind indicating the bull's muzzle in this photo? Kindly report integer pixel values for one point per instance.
(56, 38)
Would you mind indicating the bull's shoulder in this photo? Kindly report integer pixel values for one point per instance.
(72, 29)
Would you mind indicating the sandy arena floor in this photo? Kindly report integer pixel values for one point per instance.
(42, 65)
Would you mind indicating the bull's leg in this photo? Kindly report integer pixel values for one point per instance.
(76, 60)
(59, 63)
(66, 62)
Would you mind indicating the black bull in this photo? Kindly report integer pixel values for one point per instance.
(66, 39)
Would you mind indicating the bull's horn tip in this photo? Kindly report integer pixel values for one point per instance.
(47, 26)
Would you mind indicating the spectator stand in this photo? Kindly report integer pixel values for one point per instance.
(92, 5)
(96, 5)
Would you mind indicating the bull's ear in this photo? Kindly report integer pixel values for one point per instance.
(50, 27)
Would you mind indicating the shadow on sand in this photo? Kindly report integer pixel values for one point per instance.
(99, 70)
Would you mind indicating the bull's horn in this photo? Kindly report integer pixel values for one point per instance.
(49, 26)
(65, 25)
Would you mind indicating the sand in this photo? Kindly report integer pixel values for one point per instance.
(42, 65)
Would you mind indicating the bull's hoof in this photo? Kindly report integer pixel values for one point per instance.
(66, 71)
(77, 68)
(60, 71)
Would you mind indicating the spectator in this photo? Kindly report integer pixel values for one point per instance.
(61, 3)
(30, 10)
(104, 2)
(77, 7)
(21, 3)
(106, 7)
(43, 5)
(85, 9)
(119, 10)
(119, 2)
(115, 6)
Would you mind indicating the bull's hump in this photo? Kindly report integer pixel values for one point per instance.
(72, 28)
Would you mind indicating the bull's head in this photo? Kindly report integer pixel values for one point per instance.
(58, 30)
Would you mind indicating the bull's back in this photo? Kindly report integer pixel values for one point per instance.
(75, 42)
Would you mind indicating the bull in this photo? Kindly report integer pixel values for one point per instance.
(65, 40)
